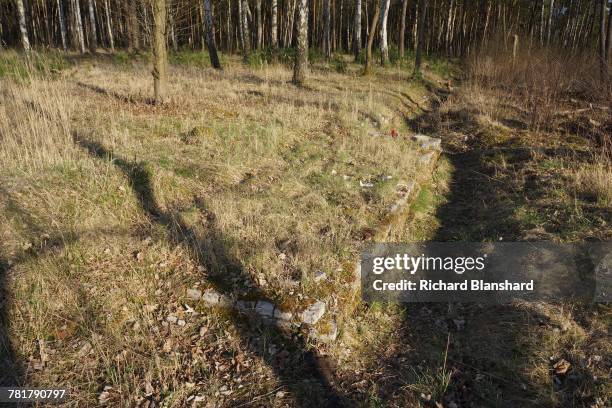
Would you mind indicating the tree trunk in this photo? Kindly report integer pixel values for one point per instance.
(109, 27)
(160, 57)
(368, 61)
(420, 36)
(301, 55)
(357, 35)
(609, 38)
(326, 29)
(133, 30)
(402, 39)
(25, 41)
(384, 48)
(93, 43)
(246, 38)
(79, 26)
(603, 63)
(274, 25)
(210, 35)
(62, 23)
(550, 19)
(259, 24)
(228, 23)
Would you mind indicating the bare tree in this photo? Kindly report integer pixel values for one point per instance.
(609, 37)
(25, 40)
(109, 28)
(274, 24)
(550, 19)
(133, 30)
(326, 29)
(93, 41)
(62, 23)
(160, 57)
(420, 36)
(301, 55)
(402, 39)
(244, 24)
(259, 39)
(384, 47)
(368, 61)
(603, 61)
(357, 27)
(79, 25)
(210, 35)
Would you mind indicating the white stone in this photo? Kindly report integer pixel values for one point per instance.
(426, 158)
(212, 297)
(319, 276)
(328, 336)
(194, 294)
(264, 309)
(427, 142)
(279, 314)
(313, 313)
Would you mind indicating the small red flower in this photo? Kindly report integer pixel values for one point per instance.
(394, 133)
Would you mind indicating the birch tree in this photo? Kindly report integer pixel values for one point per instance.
(301, 56)
(62, 24)
(93, 41)
(244, 24)
(402, 39)
(109, 28)
(384, 48)
(326, 29)
(25, 40)
(274, 24)
(603, 62)
(357, 28)
(160, 57)
(420, 36)
(372, 31)
(78, 26)
(259, 39)
(210, 35)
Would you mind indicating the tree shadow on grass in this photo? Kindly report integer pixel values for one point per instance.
(469, 354)
(13, 369)
(309, 378)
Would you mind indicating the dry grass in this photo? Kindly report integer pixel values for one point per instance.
(265, 177)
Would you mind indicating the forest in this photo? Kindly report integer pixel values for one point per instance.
(190, 190)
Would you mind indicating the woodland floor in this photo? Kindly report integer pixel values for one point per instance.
(244, 180)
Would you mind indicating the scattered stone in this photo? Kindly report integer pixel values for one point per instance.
(214, 298)
(326, 335)
(365, 184)
(85, 349)
(279, 314)
(171, 319)
(426, 158)
(181, 322)
(313, 313)
(320, 276)
(264, 309)
(427, 142)
(194, 294)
